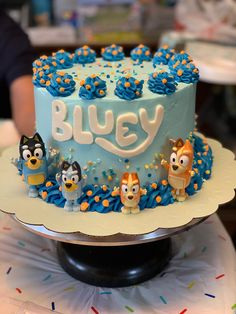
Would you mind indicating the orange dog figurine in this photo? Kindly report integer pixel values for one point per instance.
(180, 168)
(130, 193)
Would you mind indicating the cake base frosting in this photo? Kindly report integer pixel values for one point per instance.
(219, 189)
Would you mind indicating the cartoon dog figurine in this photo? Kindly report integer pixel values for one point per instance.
(130, 193)
(32, 162)
(71, 182)
(180, 168)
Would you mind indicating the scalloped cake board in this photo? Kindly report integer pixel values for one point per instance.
(217, 190)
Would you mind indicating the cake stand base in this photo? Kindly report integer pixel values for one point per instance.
(114, 266)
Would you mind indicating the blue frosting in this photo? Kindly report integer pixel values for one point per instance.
(113, 53)
(61, 84)
(42, 69)
(179, 58)
(185, 73)
(129, 88)
(65, 59)
(101, 198)
(141, 53)
(163, 55)
(84, 55)
(92, 87)
(162, 83)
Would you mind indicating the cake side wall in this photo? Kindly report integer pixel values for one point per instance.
(104, 165)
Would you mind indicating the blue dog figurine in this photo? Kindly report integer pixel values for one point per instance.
(71, 182)
(32, 163)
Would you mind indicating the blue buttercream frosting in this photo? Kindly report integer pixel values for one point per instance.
(185, 73)
(129, 88)
(92, 87)
(102, 198)
(141, 53)
(84, 55)
(162, 83)
(61, 84)
(113, 53)
(65, 59)
(163, 55)
(43, 69)
(179, 58)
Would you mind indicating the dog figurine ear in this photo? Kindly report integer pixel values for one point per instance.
(65, 165)
(37, 137)
(178, 144)
(24, 139)
(76, 166)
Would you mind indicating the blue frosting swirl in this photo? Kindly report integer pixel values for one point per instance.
(179, 58)
(185, 73)
(92, 87)
(113, 53)
(43, 69)
(163, 55)
(84, 55)
(61, 84)
(141, 53)
(65, 59)
(129, 88)
(161, 83)
(102, 199)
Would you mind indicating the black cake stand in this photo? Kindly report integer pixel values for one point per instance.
(113, 261)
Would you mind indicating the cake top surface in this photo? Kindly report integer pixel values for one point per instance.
(114, 76)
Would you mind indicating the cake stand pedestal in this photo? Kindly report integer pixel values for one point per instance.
(113, 261)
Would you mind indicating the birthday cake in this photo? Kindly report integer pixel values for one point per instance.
(113, 122)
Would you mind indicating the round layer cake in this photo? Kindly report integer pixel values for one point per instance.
(109, 131)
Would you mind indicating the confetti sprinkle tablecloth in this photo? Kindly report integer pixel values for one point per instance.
(201, 277)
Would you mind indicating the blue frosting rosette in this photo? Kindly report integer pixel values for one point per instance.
(48, 64)
(61, 84)
(178, 59)
(43, 69)
(84, 55)
(92, 87)
(163, 55)
(141, 53)
(186, 73)
(112, 53)
(65, 59)
(129, 88)
(161, 83)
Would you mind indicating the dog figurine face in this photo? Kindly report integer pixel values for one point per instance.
(32, 151)
(130, 190)
(70, 175)
(181, 159)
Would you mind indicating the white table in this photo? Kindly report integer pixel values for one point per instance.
(29, 271)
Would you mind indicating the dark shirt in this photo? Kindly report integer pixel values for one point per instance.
(16, 58)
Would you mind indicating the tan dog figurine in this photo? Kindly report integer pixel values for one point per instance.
(130, 193)
(180, 168)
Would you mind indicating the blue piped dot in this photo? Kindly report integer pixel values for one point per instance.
(149, 175)
(108, 76)
(95, 178)
(126, 161)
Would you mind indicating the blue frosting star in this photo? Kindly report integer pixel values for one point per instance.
(163, 55)
(113, 53)
(185, 73)
(129, 88)
(61, 84)
(141, 53)
(84, 55)
(162, 83)
(92, 87)
(65, 59)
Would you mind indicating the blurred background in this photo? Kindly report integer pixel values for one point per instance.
(206, 29)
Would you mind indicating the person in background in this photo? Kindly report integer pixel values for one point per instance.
(16, 88)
